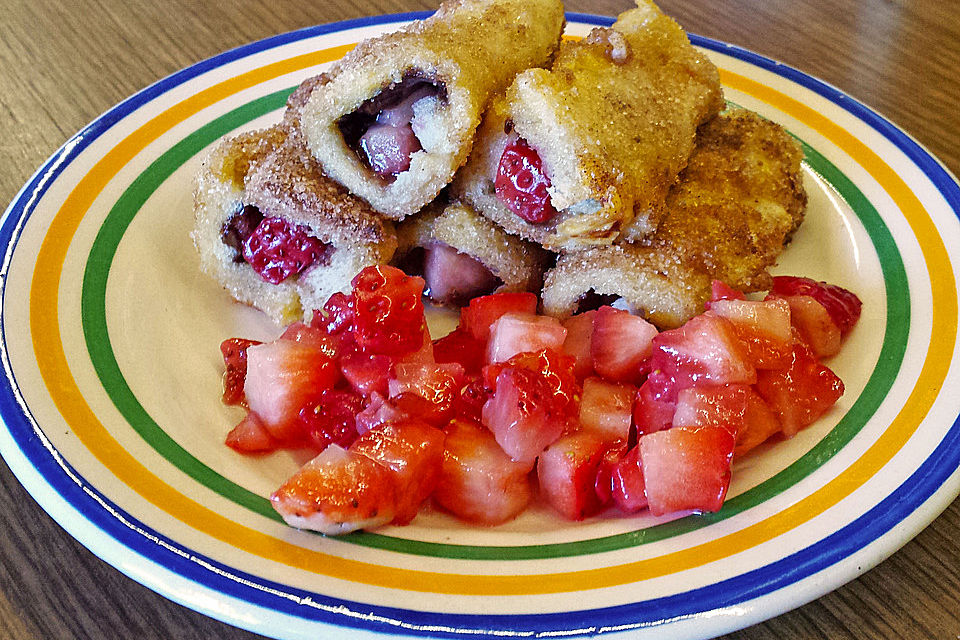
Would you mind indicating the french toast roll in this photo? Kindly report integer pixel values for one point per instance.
(275, 232)
(395, 118)
(462, 255)
(736, 204)
(584, 153)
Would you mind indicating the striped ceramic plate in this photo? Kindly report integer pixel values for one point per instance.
(112, 419)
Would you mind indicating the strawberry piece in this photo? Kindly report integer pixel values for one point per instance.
(567, 471)
(250, 436)
(515, 333)
(337, 316)
(437, 385)
(333, 419)
(277, 250)
(461, 347)
(627, 488)
(332, 346)
(413, 452)
(378, 411)
(522, 414)
(234, 351)
(606, 409)
(367, 373)
(478, 481)
(521, 183)
(337, 492)
(704, 350)
(712, 405)
(759, 424)
(842, 305)
(482, 312)
(284, 376)
(620, 343)
(814, 325)
(554, 371)
(388, 311)
(454, 278)
(686, 468)
(719, 290)
(800, 393)
(577, 343)
(469, 404)
(655, 403)
(763, 328)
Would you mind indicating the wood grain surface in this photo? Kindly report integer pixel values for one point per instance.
(64, 63)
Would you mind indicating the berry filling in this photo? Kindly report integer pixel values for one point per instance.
(238, 228)
(276, 250)
(381, 130)
(451, 278)
(521, 183)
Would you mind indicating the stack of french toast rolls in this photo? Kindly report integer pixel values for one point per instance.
(479, 149)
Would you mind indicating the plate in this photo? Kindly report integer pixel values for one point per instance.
(111, 416)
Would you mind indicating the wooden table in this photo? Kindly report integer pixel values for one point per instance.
(62, 64)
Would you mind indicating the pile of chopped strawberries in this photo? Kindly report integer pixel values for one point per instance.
(599, 412)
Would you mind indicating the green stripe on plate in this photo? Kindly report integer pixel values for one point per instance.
(93, 310)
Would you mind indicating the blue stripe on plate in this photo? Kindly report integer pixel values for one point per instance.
(137, 536)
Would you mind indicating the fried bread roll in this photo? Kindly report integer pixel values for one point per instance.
(736, 205)
(397, 115)
(463, 255)
(312, 236)
(606, 131)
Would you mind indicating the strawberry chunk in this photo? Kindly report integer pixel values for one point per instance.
(454, 278)
(461, 347)
(469, 404)
(712, 405)
(719, 290)
(606, 409)
(704, 350)
(234, 351)
(437, 385)
(567, 472)
(521, 183)
(800, 393)
(333, 419)
(413, 452)
(577, 343)
(277, 250)
(763, 328)
(620, 343)
(478, 481)
(482, 312)
(842, 305)
(686, 468)
(627, 488)
(378, 411)
(284, 376)
(250, 436)
(522, 414)
(337, 316)
(759, 424)
(337, 492)
(655, 403)
(388, 311)
(366, 372)
(515, 333)
(814, 325)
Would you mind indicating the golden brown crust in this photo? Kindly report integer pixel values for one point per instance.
(614, 122)
(736, 204)
(473, 48)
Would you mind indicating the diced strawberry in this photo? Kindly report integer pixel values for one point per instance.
(515, 333)
(388, 311)
(608, 462)
(284, 376)
(759, 424)
(337, 316)
(521, 183)
(331, 345)
(721, 291)
(763, 328)
(454, 278)
(333, 419)
(704, 350)
(482, 312)
(655, 403)
(234, 351)
(413, 451)
(478, 481)
(802, 392)
(461, 347)
(277, 250)
(337, 492)
(577, 343)
(554, 371)
(522, 415)
(250, 436)
(712, 405)
(378, 411)
(567, 471)
(627, 488)
(606, 409)
(437, 385)
(366, 373)
(686, 468)
(842, 305)
(814, 325)
(619, 344)
(469, 404)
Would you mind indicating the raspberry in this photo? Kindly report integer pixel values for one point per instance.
(277, 250)
(521, 184)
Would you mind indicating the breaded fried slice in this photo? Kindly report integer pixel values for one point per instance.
(612, 123)
(259, 176)
(462, 255)
(396, 117)
(736, 205)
